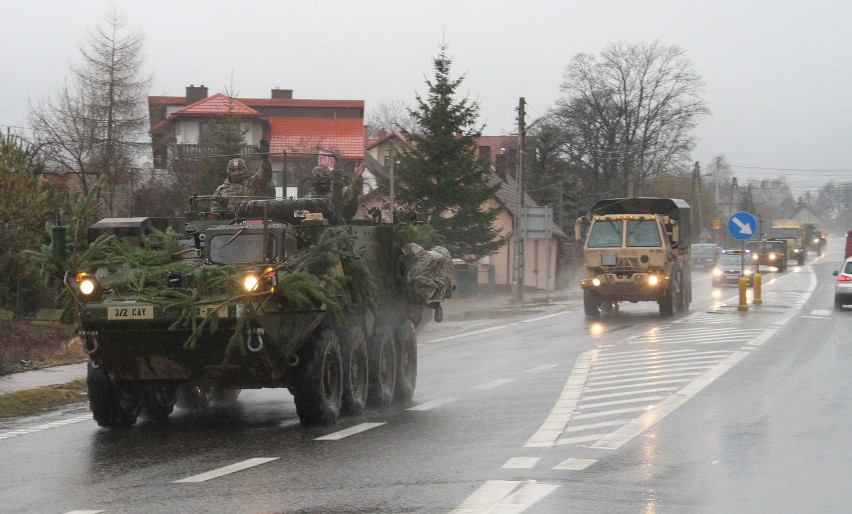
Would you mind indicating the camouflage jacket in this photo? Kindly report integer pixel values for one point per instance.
(253, 186)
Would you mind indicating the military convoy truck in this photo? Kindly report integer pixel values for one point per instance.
(794, 234)
(286, 293)
(636, 249)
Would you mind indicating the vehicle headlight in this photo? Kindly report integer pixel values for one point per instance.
(717, 272)
(653, 280)
(86, 285)
(596, 282)
(746, 272)
(250, 282)
(771, 256)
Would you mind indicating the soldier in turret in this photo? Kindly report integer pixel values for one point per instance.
(240, 184)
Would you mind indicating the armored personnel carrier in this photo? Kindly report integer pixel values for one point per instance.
(285, 293)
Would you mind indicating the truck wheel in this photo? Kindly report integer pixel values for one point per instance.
(113, 405)
(319, 386)
(191, 396)
(667, 303)
(406, 362)
(159, 401)
(382, 365)
(355, 370)
(800, 259)
(224, 396)
(591, 304)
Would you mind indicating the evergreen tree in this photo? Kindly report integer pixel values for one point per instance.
(440, 174)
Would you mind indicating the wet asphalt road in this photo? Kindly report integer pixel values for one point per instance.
(715, 410)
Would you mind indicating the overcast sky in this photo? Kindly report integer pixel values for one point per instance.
(778, 73)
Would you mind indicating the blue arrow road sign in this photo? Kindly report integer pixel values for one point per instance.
(742, 225)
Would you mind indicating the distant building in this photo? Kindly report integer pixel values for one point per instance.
(181, 128)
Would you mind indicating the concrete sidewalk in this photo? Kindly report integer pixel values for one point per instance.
(455, 309)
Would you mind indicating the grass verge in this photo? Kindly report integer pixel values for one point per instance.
(40, 399)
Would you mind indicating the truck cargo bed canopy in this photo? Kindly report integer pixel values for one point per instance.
(675, 208)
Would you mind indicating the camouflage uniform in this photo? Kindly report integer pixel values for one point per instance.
(254, 185)
(321, 186)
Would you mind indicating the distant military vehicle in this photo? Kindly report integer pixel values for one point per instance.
(637, 249)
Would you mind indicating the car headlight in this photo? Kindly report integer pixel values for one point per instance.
(771, 256)
(717, 272)
(746, 272)
(596, 282)
(653, 280)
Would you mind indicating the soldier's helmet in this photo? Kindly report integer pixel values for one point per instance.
(237, 170)
(321, 177)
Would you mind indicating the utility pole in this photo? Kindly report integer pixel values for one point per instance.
(696, 194)
(519, 233)
(392, 200)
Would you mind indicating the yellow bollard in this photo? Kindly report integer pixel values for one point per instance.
(743, 283)
(757, 283)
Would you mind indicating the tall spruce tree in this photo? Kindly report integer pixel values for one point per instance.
(440, 174)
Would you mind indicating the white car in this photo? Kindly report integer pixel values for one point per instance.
(843, 286)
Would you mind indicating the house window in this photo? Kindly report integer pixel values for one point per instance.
(485, 153)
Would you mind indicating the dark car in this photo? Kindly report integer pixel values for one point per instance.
(703, 255)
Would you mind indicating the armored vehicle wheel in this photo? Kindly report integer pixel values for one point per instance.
(319, 386)
(355, 369)
(114, 405)
(667, 303)
(224, 396)
(382, 353)
(591, 304)
(191, 396)
(406, 362)
(159, 401)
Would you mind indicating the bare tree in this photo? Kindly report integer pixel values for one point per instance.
(628, 115)
(390, 117)
(95, 124)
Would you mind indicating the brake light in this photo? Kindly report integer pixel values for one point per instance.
(844, 278)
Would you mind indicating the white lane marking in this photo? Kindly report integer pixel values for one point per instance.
(357, 429)
(504, 497)
(602, 424)
(546, 316)
(615, 360)
(227, 470)
(656, 373)
(658, 363)
(85, 511)
(642, 383)
(46, 426)
(575, 464)
(621, 402)
(559, 417)
(521, 463)
(543, 367)
(636, 426)
(612, 412)
(465, 334)
(629, 393)
(821, 312)
(581, 438)
(432, 404)
(494, 383)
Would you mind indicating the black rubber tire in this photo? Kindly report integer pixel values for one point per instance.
(382, 352)
(405, 338)
(356, 369)
(319, 387)
(159, 401)
(838, 303)
(667, 303)
(221, 396)
(591, 304)
(112, 405)
(192, 397)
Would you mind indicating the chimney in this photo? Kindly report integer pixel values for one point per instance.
(501, 164)
(194, 94)
(282, 94)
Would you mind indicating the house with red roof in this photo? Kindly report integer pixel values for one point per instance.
(297, 129)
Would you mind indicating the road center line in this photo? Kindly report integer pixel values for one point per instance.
(357, 429)
(494, 383)
(465, 334)
(431, 404)
(227, 470)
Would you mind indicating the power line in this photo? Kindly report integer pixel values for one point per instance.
(802, 170)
